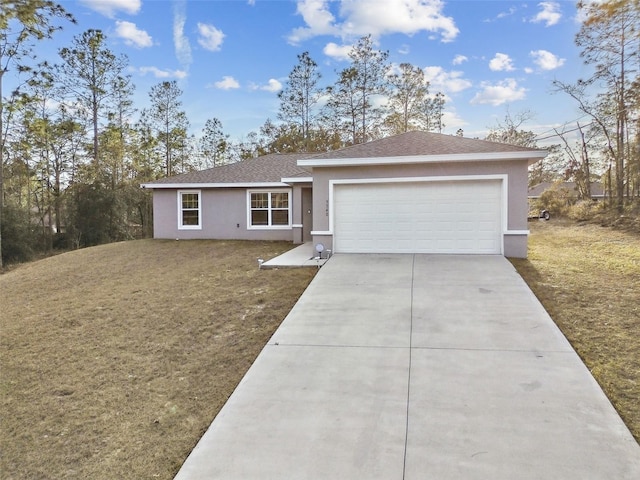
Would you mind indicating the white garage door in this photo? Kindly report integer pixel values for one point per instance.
(420, 217)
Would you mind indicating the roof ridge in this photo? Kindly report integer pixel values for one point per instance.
(421, 143)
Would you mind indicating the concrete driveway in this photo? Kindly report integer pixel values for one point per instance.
(417, 367)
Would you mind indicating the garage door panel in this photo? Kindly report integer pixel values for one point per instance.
(428, 217)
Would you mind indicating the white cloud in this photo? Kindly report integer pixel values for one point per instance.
(272, 85)
(451, 119)
(499, 94)
(132, 35)
(318, 18)
(459, 59)
(397, 16)
(549, 15)
(159, 73)
(582, 14)
(508, 13)
(363, 17)
(441, 80)
(501, 15)
(108, 8)
(501, 63)
(210, 37)
(338, 52)
(546, 60)
(180, 41)
(227, 83)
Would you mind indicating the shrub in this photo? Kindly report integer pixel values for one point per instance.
(557, 199)
(91, 212)
(584, 210)
(18, 236)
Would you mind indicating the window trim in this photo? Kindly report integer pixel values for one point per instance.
(181, 226)
(270, 191)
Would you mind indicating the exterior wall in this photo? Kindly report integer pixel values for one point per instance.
(515, 237)
(224, 217)
(515, 246)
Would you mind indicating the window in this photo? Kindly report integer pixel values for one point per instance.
(269, 209)
(189, 210)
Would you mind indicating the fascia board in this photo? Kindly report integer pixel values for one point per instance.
(531, 155)
(297, 180)
(214, 185)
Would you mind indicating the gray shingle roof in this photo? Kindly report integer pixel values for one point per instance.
(420, 143)
(273, 167)
(265, 169)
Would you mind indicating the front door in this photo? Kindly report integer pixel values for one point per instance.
(307, 215)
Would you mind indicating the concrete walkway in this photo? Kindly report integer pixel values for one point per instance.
(301, 256)
(416, 367)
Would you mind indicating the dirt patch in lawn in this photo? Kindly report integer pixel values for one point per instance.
(114, 360)
(588, 279)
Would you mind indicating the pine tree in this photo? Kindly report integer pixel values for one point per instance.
(299, 97)
(169, 122)
(353, 97)
(22, 23)
(214, 144)
(88, 75)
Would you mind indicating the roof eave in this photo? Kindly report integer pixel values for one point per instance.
(531, 155)
(192, 185)
(289, 180)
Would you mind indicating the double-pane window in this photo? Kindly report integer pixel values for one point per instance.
(189, 212)
(269, 209)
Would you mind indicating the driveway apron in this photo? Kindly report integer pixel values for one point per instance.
(416, 367)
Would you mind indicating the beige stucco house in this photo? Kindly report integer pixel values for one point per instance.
(417, 192)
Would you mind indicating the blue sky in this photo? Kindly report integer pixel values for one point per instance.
(231, 57)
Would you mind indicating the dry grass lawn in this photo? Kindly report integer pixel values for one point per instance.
(588, 279)
(114, 360)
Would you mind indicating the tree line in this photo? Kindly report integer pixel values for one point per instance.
(73, 156)
(603, 144)
(609, 141)
(370, 99)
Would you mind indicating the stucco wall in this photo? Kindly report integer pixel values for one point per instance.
(224, 217)
(516, 171)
